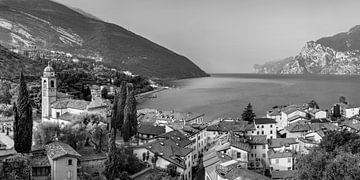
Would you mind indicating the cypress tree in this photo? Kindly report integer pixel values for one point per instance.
(248, 114)
(129, 127)
(23, 123)
(121, 105)
(114, 112)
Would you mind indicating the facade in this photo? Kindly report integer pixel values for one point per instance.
(259, 151)
(264, 126)
(284, 144)
(281, 161)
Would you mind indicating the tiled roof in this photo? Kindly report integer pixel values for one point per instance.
(322, 120)
(264, 121)
(60, 95)
(98, 103)
(351, 125)
(257, 139)
(169, 150)
(293, 118)
(57, 150)
(231, 125)
(298, 127)
(280, 142)
(69, 117)
(282, 174)
(40, 161)
(275, 112)
(151, 115)
(177, 137)
(70, 103)
(242, 173)
(240, 143)
(281, 155)
(322, 126)
(151, 129)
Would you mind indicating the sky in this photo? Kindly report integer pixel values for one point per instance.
(228, 36)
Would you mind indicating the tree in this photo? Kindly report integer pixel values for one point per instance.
(23, 123)
(342, 99)
(98, 135)
(129, 127)
(17, 167)
(46, 133)
(5, 95)
(75, 136)
(336, 157)
(248, 114)
(121, 106)
(313, 104)
(104, 93)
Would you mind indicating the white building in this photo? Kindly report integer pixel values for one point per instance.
(60, 108)
(281, 161)
(259, 151)
(264, 126)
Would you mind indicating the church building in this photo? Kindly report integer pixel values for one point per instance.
(60, 108)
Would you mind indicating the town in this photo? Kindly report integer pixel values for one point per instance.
(79, 139)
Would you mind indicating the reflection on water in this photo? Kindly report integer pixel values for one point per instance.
(227, 95)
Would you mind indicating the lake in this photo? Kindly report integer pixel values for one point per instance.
(226, 95)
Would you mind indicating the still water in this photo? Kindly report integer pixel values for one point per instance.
(226, 95)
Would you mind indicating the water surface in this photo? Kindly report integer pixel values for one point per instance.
(226, 95)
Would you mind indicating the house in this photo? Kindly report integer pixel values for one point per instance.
(61, 108)
(220, 166)
(298, 119)
(264, 126)
(148, 132)
(276, 114)
(258, 153)
(284, 144)
(282, 175)
(305, 144)
(318, 114)
(162, 153)
(55, 160)
(296, 130)
(290, 112)
(281, 161)
(225, 126)
(346, 110)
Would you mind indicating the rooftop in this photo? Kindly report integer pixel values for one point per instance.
(298, 127)
(264, 121)
(57, 150)
(69, 117)
(280, 142)
(151, 129)
(240, 143)
(281, 155)
(178, 137)
(70, 103)
(231, 125)
(257, 139)
(169, 150)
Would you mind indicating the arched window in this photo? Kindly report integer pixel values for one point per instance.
(44, 81)
(52, 84)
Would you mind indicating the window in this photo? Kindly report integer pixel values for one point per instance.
(252, 155)
(70, 174)
(52, 84)
(277, 161)
(257, 126)
(57, 114)
(264, 147)
(257, 133)
(289, 168)
(70, 162)
(264, 155)
(270, 125)
(289, 160)
(262, 132)
(262, 126)
(254, 147)
(44, 81)
(271, 132)
(238, 155)
(252, 132)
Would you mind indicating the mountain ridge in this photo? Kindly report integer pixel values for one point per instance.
(49, 25)
(337, 54)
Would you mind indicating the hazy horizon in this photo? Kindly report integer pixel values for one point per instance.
(228, 36)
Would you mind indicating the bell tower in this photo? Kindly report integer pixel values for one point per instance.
(48, 90)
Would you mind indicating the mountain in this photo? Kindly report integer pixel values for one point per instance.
(11, 64)
(338, 54)
(47, 25)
